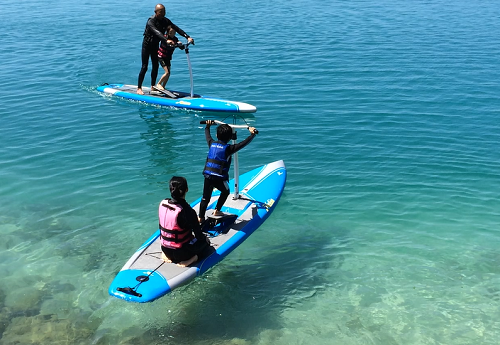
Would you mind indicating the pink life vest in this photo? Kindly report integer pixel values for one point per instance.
(172, 236)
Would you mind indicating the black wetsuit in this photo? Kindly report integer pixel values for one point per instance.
(153, 34)
(215, 181)
(187, 219)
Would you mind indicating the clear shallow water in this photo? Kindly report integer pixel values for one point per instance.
(386, 117)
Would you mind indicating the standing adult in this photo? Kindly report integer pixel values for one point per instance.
(156, 27)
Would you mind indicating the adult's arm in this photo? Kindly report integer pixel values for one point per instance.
(188, 219)
(152, 27)
(179, 30)
(194, 224)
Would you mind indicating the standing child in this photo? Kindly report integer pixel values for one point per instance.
(216, 169)
(165, 55)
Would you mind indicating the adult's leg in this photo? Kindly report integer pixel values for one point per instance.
(176, 255)
(182, 257)
(144, 66)
(154, 65)
(188, 262)
(199, 249)
(165, 258)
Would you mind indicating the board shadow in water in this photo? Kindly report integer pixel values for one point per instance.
(245, 299)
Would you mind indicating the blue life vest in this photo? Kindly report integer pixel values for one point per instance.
(217, 163)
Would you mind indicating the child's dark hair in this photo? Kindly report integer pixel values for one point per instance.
(178, 187)
(169, 28)
(224, 133)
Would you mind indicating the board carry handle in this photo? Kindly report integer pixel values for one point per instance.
(204, 122)
(141, 279)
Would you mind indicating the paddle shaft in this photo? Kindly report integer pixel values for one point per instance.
(190, 68)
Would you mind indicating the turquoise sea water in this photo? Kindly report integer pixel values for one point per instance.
(385, 115)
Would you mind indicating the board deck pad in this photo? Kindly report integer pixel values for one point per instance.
(155, 92)
(165, 92)
(223, 215)
(263, 188)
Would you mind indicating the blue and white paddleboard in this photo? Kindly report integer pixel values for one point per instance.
(145, 277)
(181, 100)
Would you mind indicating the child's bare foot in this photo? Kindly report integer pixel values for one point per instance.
(139, 91)
(159, 87)
(188, 262)
(164, 258)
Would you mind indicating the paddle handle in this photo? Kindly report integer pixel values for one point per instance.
(204, 122)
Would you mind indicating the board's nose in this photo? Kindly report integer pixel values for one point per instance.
(246, 108)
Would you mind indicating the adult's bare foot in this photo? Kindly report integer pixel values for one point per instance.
(188, 262)
(164, 258)
(139, 91)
